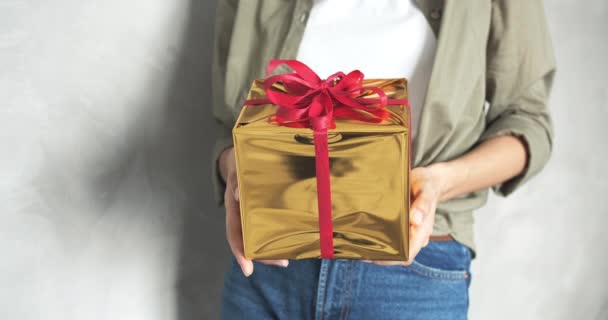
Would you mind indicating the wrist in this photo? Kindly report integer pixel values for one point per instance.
(448, 175)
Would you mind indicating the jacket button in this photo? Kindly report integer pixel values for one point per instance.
(303, 17)
(435, 14)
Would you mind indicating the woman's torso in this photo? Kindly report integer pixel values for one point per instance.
(453, 116)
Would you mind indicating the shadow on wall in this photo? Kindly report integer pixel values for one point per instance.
(203, 251)
(177, 151)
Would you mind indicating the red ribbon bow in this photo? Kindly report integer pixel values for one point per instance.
(311, 102)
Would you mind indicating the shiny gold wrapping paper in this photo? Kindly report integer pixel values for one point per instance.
(369, 165)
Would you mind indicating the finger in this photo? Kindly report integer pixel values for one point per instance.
(245, 264)
(280, 263)
(236, 193)
(234, 234)
(232, 186)
(420, 208)
(414, 248)
(416, 216)
(419, 237)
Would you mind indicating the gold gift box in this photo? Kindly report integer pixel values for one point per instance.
(369, 173)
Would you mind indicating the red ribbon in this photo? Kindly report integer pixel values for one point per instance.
(311, 102)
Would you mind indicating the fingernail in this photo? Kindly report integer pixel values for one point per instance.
(418, 216)
(284, 263)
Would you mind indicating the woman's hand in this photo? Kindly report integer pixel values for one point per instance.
(426, 192)
(495, 160)
(234, 235)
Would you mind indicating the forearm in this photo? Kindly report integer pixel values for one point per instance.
(491, 162)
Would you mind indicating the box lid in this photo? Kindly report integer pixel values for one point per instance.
(256, 117)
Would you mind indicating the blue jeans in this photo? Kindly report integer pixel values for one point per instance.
(434, 287)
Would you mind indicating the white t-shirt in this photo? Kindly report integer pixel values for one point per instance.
(381, 38)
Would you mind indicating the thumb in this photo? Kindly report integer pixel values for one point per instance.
(245, 264)
(420, 209)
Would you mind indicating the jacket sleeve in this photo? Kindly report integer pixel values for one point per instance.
(520, 71)
(222, 112)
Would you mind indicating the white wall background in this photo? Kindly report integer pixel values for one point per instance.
(105, 204)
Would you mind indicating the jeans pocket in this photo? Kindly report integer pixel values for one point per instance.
(443, 260)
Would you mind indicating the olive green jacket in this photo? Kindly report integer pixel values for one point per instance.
(492, 75)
